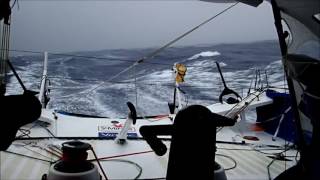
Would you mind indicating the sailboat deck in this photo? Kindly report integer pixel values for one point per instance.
(31, 157)
(250, 160)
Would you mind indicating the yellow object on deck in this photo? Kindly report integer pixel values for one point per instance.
(181, 72)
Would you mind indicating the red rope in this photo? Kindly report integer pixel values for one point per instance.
(121, 155)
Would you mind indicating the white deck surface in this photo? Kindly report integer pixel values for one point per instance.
(251, 164)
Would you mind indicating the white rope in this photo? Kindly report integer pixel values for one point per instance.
(135, 85)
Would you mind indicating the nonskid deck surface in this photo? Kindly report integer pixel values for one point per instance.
(242, 158)
(245, 161)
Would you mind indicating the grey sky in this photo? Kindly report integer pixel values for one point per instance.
(94, 25)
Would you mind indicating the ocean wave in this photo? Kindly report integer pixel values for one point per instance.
(222, 64)
(71, 78)
(204, 54)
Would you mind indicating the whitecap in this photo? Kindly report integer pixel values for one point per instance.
(222, 64)
(204, 54)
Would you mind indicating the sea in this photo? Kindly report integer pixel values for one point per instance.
(91, 82)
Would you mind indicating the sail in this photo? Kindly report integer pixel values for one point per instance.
(298, 27)
(302, 60)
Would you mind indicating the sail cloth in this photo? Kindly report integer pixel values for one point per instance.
(5, 11)
(302, 12)
(303, 27)
(304, 71)
(301, 59)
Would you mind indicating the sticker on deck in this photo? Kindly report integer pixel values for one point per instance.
(112, 130)
(114, 135)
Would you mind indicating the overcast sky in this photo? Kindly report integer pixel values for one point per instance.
(61, 26)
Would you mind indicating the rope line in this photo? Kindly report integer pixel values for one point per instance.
(122, 155)
(98, 161)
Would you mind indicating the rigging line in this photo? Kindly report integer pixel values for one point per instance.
(98, 161)
(256, 79)
(56, 150)
(274, 159)
(267, 81)
(284, 81)
(153, 54)
(45, 128)
(135, 85)
(11, 152)
(16, 75)
(243, 149)
(286, 147)
(250, 87)
(230, 158)
(241, 109)
(122, 155)
(260, 80)
(44, 149)
(2, 39)
(268, 168)
(3, 48)
(3, 43)
(8, 39)
(36, 152)
(139, 168)
(247, 103)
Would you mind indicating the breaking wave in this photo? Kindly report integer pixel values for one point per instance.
(204, 54)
